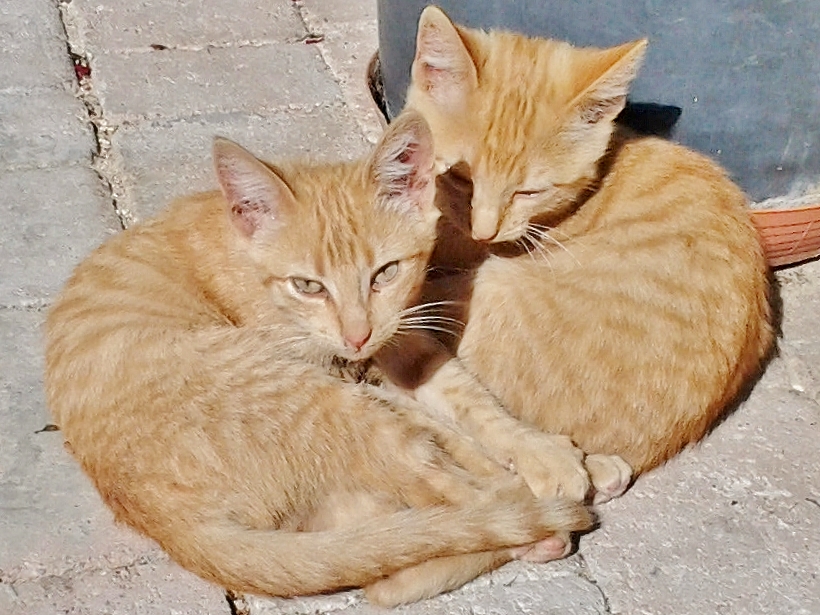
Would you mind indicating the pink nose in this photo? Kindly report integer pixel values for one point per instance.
(358, 339)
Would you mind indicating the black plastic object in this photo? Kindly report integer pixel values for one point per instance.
(742, 75)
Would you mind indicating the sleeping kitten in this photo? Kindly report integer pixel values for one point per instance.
(189, 365)
(616, 289)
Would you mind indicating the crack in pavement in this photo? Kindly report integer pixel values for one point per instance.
(586, 574)
(28, 306)
(314, 36)
(102, 162)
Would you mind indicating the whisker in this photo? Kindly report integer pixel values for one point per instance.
(432, 318)
(406, 328)
(544, 233)
(448, 269)
(523, 243)
(553, 231)
(426, 306)
(539, 247)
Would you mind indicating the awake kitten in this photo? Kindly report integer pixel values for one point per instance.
(189, 364)
(617, 291)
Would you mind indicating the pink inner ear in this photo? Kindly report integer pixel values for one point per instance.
(247, 210)
(246, 218)
(403, 164)
(414, 180)
(250, 187)
(442, 66)
(437, 79)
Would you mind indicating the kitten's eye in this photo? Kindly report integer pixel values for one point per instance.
(385, 274)
(529, 193)
(307, 287)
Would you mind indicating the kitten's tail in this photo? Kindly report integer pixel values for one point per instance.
(282, 563)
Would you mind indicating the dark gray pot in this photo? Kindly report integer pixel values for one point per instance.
(744, 73)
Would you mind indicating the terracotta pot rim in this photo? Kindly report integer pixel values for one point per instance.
(784, 210)
(789, 235)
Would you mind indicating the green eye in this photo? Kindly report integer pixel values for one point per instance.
(385, 274)
(307, 287)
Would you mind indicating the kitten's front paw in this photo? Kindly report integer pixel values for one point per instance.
(552, 466)
(610, 476)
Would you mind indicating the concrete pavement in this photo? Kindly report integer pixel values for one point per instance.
(730, 526)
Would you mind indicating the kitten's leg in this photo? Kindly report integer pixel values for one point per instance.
(447, 573)
(610, 476)
(481, 471)
(551, 464)
(474, 459)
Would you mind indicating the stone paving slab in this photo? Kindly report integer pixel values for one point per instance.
(149, 585)
(146, 150)
(341, 11)
(43, 128)
(180, 83)
(114, 25)
(32, 46)
(557, 587)
(51, 219)
(800, 347)
(347, 49)
(349, 38)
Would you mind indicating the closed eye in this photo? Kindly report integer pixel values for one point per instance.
(385, 275)
(308, 287)
(526, 193)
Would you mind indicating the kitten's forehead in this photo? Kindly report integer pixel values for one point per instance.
(334, 206)
(521, 114)
(341, 225)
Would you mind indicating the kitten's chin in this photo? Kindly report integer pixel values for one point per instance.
(354, 356)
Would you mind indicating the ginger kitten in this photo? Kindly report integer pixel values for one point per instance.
(616, 289)
(192, 364)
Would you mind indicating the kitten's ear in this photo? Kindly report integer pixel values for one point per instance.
(402, 165)
(443, 67)
(611, 74)
(255, 194)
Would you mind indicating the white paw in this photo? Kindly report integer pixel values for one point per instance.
(610, 476)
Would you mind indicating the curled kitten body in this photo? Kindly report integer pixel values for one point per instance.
(190, 366)
(613, 289)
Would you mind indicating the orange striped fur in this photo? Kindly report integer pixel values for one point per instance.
(616, 291)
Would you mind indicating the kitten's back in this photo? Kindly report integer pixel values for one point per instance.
(636, 335)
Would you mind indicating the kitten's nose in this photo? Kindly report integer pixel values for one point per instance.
(484, 224)
(357, 339)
